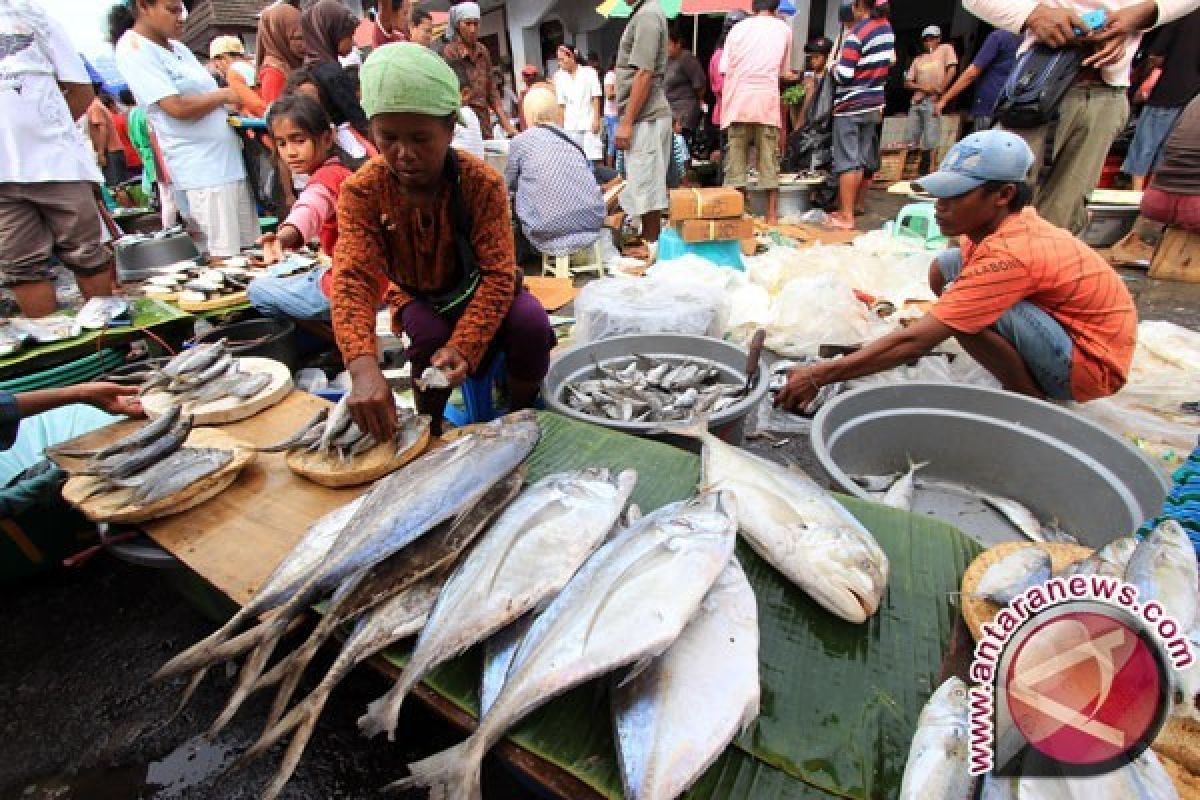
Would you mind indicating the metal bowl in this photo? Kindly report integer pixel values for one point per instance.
(579, 363)
(1066, 470)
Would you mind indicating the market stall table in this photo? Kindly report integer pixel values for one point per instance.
(837, 716)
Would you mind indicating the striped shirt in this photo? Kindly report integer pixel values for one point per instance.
(862, 69)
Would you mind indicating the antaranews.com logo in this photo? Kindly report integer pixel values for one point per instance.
(1073, 677)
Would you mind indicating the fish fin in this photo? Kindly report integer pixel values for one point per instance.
(632, 514)
(383, 713)
(695, 427)
(636, 669)
(449, 775)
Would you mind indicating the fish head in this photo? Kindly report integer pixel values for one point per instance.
(854, 571)
(947, 705)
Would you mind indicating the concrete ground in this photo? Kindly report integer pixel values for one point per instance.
(81, 722)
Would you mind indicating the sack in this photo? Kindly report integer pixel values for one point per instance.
(1035, 89)
(1146, 88)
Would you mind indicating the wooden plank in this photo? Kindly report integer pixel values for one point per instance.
(1177, 257)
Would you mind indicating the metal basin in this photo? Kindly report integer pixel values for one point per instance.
(1070, 473)
(579, 363)
(138, 259)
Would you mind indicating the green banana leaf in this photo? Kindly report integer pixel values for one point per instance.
(839, 701)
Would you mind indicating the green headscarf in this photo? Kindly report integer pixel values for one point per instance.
(408, 78)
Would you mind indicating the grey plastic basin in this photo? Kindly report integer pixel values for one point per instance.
(1064, 469)
(578, 363)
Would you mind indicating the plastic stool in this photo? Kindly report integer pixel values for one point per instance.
(563, 266)
(476, 394)
(916, 221)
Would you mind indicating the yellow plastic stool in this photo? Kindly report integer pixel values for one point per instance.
(589, 259)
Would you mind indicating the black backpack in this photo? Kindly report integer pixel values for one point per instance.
(1036, 87)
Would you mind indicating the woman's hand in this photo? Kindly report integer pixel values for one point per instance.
(371, 404)
(112, 397)
(272, 248)
(452, 364)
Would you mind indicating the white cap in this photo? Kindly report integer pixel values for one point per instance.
(932, 30)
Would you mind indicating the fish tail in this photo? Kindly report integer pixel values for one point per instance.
(696, 427)
(190, 690)
(246, 679)
(199, 655)
(383, 713)
(288, 688)
(449, 775)
(291, 756)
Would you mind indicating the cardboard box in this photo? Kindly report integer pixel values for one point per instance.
(749, 246)
(713, 203)
(715, 230)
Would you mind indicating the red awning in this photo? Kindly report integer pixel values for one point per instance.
(714, 6)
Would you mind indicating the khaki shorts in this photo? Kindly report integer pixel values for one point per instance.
(38, 220)
(646, 163)
(765, 139)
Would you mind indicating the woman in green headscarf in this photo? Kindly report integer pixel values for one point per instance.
(435, 223)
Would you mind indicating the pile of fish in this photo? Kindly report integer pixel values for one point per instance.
(647, 389)
(100, 312)
(938, 764)
(151, 463)
(189, 283)
(204, 374)
(333, 432)
(898, 489)
(562, 582)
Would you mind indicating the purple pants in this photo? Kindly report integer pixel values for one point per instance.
(525, 337)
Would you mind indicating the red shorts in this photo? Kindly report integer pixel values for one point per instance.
(1179, 210)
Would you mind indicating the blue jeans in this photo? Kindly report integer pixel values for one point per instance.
(1145, 151)
(610, 129)
(1042, 342)
(295, 296)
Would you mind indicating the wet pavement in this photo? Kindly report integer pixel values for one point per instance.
(80, 721)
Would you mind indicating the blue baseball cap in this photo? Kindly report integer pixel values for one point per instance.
(981, 157)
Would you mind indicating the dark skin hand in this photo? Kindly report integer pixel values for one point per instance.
(371, 404)
(110, 397)
(1054, 27)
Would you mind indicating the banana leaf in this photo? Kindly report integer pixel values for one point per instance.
(839, 701)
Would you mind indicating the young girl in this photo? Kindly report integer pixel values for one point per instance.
(304, 139)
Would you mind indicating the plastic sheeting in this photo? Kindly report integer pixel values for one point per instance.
(617, 306)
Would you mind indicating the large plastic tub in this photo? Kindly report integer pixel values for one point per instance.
(579, 363)
(263, 338)
(1063, 468)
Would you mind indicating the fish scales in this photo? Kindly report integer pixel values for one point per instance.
(675, 718)
(938, 759)
(531, 552)
(628, 603)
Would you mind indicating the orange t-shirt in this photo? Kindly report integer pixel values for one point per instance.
(1027, 258)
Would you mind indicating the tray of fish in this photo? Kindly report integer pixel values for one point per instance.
(164, 467)
(195, 285)
(653, 388)
(214, 386)
(330, 449)
(46, 330)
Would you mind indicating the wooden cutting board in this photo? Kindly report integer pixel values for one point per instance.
(977, 611)
(229, 409)
(112, 507)
(325, 469)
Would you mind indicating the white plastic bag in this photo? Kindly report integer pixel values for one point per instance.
(617, 306)
(810, 312)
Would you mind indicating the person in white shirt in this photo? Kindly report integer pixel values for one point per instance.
(468, 138)
(48, 175)
(188, 113)
(579, 94)
(1095, 109)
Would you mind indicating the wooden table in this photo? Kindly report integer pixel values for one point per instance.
(234, 540)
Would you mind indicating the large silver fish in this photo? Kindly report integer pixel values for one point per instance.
(1164, 569)
(397, 510)
(527, 557)
(799, 528)
(937, 767)
(628, 603)
(498, 654)
(675, 718)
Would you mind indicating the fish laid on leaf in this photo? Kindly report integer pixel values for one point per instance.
(653, 390)
(938, 759)
(1164, 570)
(395, 512)
(1013, 574)
(524, 561)
(798, 528)
(627, 604)
(98, 312)
(402, 588)
(498, 654)
(674, 718)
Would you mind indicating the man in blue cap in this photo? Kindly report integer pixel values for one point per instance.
(1036, 307)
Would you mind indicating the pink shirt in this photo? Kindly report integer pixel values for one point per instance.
(757, 50)
(1010, 15)
(716, 82)
(314, 205)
